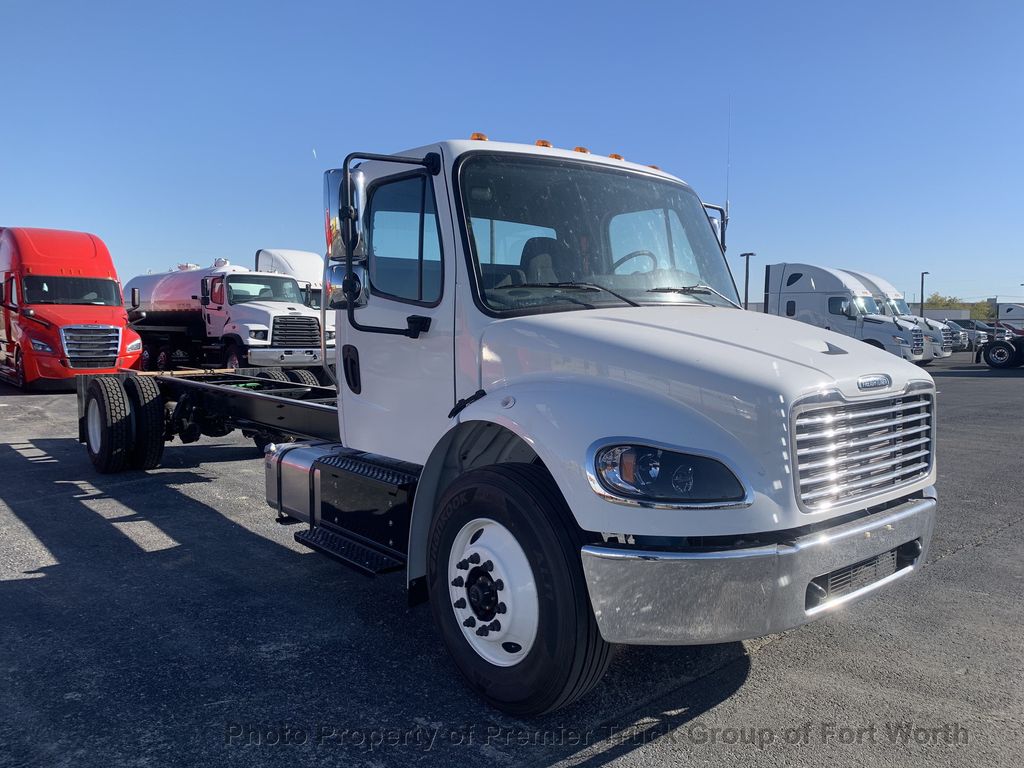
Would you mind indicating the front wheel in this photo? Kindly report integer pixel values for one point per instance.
(1000, 354)
(507, 590)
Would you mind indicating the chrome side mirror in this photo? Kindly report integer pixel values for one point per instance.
(339, 286)
(352, 226)
(136, 298)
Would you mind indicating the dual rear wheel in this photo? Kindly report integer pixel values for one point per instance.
(124, 423)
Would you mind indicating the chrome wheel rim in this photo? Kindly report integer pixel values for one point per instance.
(493, 592)
(94, 425)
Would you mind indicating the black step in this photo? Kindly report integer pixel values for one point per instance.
(348, 551)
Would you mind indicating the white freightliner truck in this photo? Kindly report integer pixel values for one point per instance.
(938, 337)
(554, 419)
(226, 315)
(305, 266)
(837, 301)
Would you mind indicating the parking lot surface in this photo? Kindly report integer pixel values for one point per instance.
(165, 618)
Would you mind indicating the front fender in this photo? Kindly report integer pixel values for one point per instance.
(562, 419)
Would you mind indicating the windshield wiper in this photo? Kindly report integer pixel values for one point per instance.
(577, 285)
(690, 290)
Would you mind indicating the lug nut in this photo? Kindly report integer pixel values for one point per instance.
(462, 565)
(499, 585)
(488, 566)
(483, 632)
(501, 608)
(474, 558)
(470, 622)
(494, 626)
(460, 603)
(457, 581)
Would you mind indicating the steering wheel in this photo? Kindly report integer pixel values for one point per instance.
(636, 255)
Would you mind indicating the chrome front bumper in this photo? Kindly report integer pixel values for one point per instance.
(716, 596)
(274, 356)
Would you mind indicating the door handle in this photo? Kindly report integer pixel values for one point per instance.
(350, 366)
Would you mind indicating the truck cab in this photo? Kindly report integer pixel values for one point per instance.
(839, 301)
(938, 337)
(553, 416)
(62, 309)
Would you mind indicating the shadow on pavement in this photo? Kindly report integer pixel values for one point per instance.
(170, 631)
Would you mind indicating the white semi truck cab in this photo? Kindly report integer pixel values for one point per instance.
(838, 301)
(938, 337)
(554, 419)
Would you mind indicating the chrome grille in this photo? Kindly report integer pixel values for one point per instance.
(296, 331)
(91, 346)
(947, 339)
(845, 452)
(917, 341)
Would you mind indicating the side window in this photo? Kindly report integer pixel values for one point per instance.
(838, 305)
(404, 241)
(790, 308)
(217, 290)
(12, 292)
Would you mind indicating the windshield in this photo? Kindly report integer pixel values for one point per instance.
(72, 290)
(548, 235)
(243, 288)
(866, 305)
(898, 307)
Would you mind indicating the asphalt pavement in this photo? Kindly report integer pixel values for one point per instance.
(165, 618)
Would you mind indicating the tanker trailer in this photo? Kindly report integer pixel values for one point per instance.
(226, 315)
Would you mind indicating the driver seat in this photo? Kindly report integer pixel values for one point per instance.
(547, 260)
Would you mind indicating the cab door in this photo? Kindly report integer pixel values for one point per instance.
(395, 391)
(839, 318)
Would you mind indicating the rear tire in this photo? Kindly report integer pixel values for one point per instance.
(513, 520)
(147, 409)
(1000, 354)
(234, 357)
(302, 376)
(273, 375)
(108, 424)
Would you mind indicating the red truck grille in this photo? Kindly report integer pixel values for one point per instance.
(91, 346)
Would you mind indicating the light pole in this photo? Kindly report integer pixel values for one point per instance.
(746, 279)
(922, 291)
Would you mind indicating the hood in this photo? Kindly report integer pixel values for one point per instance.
(900, 321)
(262, 312)
(699, 355)
(60, 315)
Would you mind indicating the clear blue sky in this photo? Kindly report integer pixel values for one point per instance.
(879, 135)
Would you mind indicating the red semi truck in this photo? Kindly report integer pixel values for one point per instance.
(62, 309)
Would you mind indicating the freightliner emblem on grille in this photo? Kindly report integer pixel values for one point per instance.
(874, 381)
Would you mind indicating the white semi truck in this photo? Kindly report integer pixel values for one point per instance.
(305, 266)
(938, 337)
(838, 301)
(226, 315)
(553, 418)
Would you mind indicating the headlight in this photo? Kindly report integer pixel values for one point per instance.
(41, 346)
(651, 474)
(135, 346)
(261, 335)
(329, 335)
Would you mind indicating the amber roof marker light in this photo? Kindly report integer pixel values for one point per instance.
(583, 150)
(477, 136)
(543, 143)
(615, 156)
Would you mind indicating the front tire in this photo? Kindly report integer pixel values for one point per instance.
(1000, 354)
(507, 590)
(234, 357)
